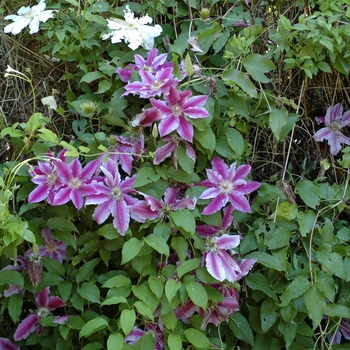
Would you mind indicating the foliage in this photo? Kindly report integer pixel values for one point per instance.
(174, 197)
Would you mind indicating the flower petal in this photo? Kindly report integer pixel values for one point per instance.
(26, 327)
(214, 266)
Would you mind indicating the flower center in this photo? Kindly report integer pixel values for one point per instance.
(116, 193)
(51, 246)
(156, 85)
(74, 183)
(226, 186)
(43, 312)
(210, 245)
(147, 68)
(177, 110)
(51, 179)
(165, 211)
(336, 127)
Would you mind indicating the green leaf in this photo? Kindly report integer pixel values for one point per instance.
(184, 160)
(180, 244)
(279, 238)
(268, 260)
(235, 141)
(197, 338)
(127, 320)
(294, 290)
(93, 326)
(197, 294)
(60, 223)
(144, 309)
(130, 249)
(91, 76)
(332, 310)
(156, 284)
(206, 139)
(241, 79)
(257, 281)
(278, 118)
(34, 122)
(54, 266)
(158, 243)
(86, 271)
(308, 192)
(306, 221)
(65, 289)
(114, 301)
(241, 328)
(47, 135)
(145, 176)
(183, 219)
(188, 266)
(169, 320)
(315, 304)
(257, 65)
(288, 330)
(11, 277)
(174, 342)
(332, 262)
(171, 288)
(268, 314)
(15, 306)
(90, 292)
(342, 64)
(115, 342)
(117, 281)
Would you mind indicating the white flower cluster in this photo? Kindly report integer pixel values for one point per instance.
(134, 31)
(28, 16)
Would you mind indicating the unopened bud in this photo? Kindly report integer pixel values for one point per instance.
(204, 13)
(155, 130)
(188, 66)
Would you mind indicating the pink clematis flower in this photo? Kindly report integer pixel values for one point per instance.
(6, 344)
(153, 208)
(45, 305)
(76, 182)
(170, 147)
(45, 176)
(334, 121)
(226, 184)
(112, 197)
(152, 64)
(152, 84)
(177, 107)
(53, 248)
(153, 329)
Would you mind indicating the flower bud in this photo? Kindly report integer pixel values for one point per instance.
(204, 13)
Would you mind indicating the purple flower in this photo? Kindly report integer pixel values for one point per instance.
(153, 208)
(112, 197)
(178, 106)
(45, 176)
(170, 147)
(146, 118)
(53, 249)
(342, 331)
(226, 184)
(152, 84)
(45, 305)
(334, 121)
(76, 182)
(6, 344)
(218, 262)
(153, 329)
(20, 266)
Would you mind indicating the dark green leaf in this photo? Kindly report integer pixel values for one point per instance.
(241, 328)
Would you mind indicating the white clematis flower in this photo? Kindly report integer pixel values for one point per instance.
(134, 31)
(28, 16)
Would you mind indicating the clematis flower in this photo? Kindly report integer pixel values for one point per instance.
(45, 306)
(342, 331)
(76, 182)
(28, 16)
(153, 208)
(218, 262)
(177, 107)
(153, 329)
(112, 197)
(151, 64)
(133, 31)
(334, 121)
(20, 266)
(45, 176)
(6, 344)
(152, 84)
(226, 184)
(53, 248)
(170, 148)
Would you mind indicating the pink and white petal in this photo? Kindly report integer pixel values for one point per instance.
(227, 241)
(215, 205)
(26, 327)
(141, 212)
(128, 183)
(170, 195)
(62, 196)
(185, 203)
(76, 167)
(334, 145)
(345, 121)
(242, 171)
(195, 101)
(89, 170)
(230, 266)
(134, 335)
(190, 152)
(163, 152)
(6, 344)
(102, 212)
(248, 187)
(246, 265)
(212, 192)
(167, 125)
(38, 194)
(121, 217)
(344, 139)
(240, 202)
(61, 319)
(214, 177)
(185, 129)
(206, 230)
(323, 134)
(214, 266)
(76, 198)
(162, 106)
(227, 217)
(55, 302)
(196, 112)
(220, 166)
(42, 299)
